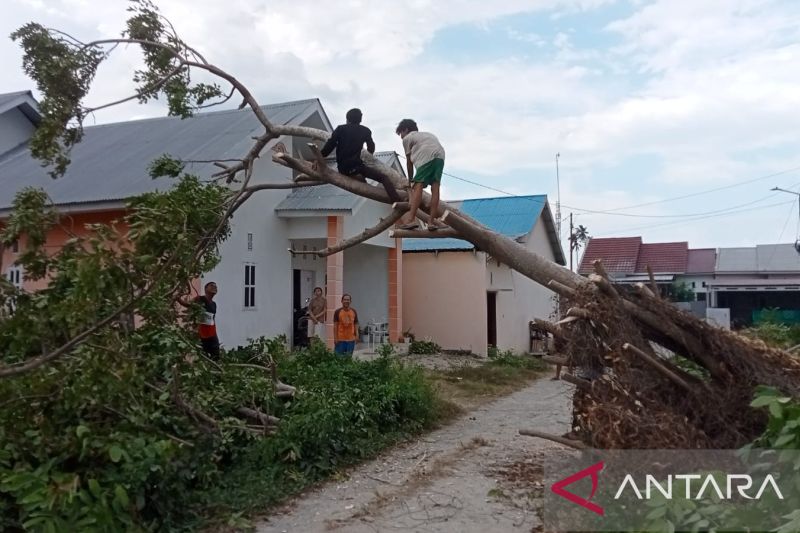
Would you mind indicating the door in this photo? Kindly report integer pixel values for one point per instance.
(491, 318)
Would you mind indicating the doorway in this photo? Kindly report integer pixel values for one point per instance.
(491, 318)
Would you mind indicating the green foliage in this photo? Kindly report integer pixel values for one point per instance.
(63, 72)
(386, 350)
(426, 347)
(773, 331)
(681, 292)
(64, 68)
(100, 449)
(509, 359)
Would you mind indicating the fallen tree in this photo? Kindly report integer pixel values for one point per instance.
(627, 394)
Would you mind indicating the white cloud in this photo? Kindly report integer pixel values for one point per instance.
(698, 85)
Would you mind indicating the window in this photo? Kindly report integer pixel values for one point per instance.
(15, 247)
(14, 275)
(694, 284)
(249, 242)
(249, 286)
(704, 284)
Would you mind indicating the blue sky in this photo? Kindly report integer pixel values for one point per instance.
(644, 100)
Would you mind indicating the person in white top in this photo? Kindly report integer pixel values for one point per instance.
(425, 153)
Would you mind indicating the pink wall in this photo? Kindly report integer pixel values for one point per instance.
(68, 226)
(444, 298)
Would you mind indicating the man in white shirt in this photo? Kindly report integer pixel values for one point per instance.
(425, 153)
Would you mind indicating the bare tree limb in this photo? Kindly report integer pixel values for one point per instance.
(385, 223)
(424, 234)
(578, 445)
(660, 367)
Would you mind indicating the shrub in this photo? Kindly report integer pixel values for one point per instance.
(100, 451)
(426, 347)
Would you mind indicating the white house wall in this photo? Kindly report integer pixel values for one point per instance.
(307, 227)
(15, 128)
(311, 262)
(272, 314)
(368, 214)
(527, 300)
(700, 282)
(366, 279)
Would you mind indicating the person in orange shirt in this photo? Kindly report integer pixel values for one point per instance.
(345, 328)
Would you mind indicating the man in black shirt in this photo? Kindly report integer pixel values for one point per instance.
(348, 140)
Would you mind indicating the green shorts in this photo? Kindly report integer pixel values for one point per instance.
(430, 172)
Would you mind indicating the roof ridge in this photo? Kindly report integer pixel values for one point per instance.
(16, 93)
(207, 113)
(502, 197)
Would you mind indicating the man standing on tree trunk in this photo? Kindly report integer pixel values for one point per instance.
(348, 140)
(424, 152)
(207, 328)
(345, 328)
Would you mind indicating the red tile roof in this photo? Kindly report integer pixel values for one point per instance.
(701, 261)
(619, 255)
(663, 257)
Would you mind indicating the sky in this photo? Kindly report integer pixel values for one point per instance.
(673, 119)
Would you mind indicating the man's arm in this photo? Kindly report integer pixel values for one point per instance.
(184, 302)
(370, 142)
(321, 315)
(409, 167)
(336, 326)
(331, 143)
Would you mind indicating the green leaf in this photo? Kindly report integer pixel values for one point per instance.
(776, 410)
(762, 401)
(115, 452)
(81, 430)
(121, 496)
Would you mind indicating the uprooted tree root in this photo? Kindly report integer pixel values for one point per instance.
(630, 393)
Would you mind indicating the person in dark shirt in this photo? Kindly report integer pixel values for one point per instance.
(348, 140)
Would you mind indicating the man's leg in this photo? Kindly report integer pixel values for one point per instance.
(435, 205)
(211, 346)
(311, 328)
(416, 199)
(383, 180)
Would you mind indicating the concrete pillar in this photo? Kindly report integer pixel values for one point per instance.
(334, 269)
(396, 291)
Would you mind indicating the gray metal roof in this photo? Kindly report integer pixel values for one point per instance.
(24, 101)
(327, 197)
(111, 161)
(761, 258)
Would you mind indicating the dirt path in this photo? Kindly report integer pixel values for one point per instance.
(476, 474)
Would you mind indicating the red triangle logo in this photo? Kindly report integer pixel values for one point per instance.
(594, 470)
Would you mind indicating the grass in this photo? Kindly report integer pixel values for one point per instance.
(468, 386)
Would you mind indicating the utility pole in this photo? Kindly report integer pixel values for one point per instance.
(797, 239)
(558, 200)
(571, 243)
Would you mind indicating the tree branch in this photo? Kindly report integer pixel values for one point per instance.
(578, 445)
(444, 233)
(386, 222)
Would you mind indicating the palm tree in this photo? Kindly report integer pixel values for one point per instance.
(578, 238)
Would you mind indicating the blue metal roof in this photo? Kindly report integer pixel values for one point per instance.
(512, 216)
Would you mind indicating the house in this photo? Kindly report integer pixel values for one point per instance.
(260, 282)
(750, 280)
(731, 285)
(626, 260)
(462, 298)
